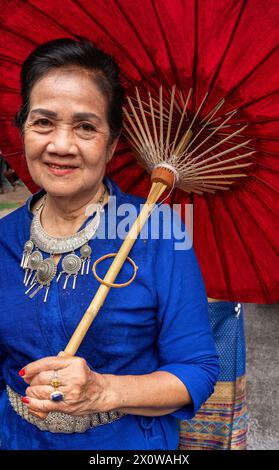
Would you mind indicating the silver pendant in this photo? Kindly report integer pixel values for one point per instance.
(34, 262)
(71, 265)
(44, 275)
(85, 252)
(28, 247)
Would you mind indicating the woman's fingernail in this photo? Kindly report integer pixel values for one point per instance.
(25, 400)
(21, 372)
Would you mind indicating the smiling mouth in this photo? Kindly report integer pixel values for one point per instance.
(61, 167)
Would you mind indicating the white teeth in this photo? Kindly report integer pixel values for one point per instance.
(60, 167)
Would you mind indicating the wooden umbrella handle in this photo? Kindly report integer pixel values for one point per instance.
(156, 190)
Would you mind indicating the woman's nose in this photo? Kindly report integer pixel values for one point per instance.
(62, 142)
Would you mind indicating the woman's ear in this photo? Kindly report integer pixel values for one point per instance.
(111, 149)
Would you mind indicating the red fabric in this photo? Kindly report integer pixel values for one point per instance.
(227, 48)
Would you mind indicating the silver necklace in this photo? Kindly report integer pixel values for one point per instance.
(39, 272)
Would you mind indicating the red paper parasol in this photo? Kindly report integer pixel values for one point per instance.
(222, 50)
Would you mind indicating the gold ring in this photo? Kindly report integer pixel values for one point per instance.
(55, 382)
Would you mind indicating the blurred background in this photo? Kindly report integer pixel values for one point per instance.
(262, 339)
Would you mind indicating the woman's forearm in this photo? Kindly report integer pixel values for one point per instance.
(155, 394)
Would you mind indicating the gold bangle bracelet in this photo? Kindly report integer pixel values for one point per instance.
(111, 284)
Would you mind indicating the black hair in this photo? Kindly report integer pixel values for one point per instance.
(66, 52)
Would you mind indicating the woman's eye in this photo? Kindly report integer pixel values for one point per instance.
(85, 130)
(42, 122)
(87, 127)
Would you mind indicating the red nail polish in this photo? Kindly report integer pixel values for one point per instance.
(21, 372)
(25, 400)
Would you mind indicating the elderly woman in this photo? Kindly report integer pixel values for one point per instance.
(148, 359)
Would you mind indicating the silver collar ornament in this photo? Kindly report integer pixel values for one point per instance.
(39, 272)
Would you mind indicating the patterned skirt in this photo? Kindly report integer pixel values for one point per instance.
(222, 421)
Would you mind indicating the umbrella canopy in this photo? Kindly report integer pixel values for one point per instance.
(222, 50)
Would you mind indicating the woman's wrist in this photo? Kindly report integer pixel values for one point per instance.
(121, 391)
(103, 388)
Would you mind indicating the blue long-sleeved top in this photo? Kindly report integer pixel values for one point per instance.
(159, 322)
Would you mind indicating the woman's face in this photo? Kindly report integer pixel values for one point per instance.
(66, 134)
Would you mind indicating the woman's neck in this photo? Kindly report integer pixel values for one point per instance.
(63, 216)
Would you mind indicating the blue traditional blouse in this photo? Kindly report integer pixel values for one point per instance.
(159, 322)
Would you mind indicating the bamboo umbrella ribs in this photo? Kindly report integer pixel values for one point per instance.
(198, 161)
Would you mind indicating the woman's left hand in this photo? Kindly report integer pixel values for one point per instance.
(84, 390)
